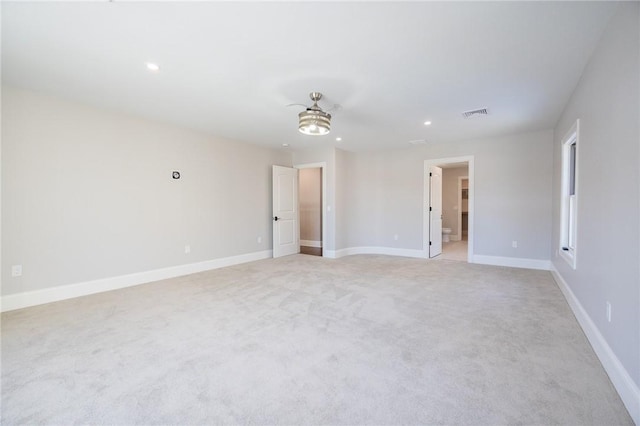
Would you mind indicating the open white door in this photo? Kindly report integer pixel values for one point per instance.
(285, 211)
(435, 211)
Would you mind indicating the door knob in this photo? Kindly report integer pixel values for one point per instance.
(276, 218)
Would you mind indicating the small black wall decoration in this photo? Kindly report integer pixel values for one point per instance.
(176, 174)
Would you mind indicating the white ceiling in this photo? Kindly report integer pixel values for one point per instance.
(229, 68)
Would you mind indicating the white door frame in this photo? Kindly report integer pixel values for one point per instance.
(435, 212)
(323, 171)
(425, 205)
(459, 230)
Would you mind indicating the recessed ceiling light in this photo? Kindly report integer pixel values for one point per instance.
(285, 145)
(338, 139)
(427, 123)
(153, 67)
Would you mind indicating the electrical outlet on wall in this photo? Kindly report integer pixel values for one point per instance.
(608, 311)
(514, 244)
(187, 249)
(259, 240)
(16, 270)
(395, 237)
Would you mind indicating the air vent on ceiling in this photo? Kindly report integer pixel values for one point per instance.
(475, 112)
(418, 142)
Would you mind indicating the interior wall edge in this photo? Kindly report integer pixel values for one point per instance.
(389, 251)
(620, 377)
(54, 294)
(513, 262)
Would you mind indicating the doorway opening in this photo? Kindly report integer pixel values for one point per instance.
(448, 209)
(311, 200)
(463, 210)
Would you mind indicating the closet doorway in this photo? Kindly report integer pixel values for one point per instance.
(311, 199)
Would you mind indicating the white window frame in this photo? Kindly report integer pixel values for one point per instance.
(569, 195)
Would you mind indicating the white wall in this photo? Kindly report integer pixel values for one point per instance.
(607, 103)
(512, 195)
(88, 194)
(450, 207)
(342, 202)
(310, 200)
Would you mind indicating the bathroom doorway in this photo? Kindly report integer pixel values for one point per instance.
(455, 209)
(310, 202)
(456, 212)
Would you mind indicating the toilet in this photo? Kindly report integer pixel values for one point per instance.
(445, 234)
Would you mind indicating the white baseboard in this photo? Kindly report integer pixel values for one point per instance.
(390, 251)
(54, 294)
(331, 254)
(622, 381)
(310, 243)
(514, 262)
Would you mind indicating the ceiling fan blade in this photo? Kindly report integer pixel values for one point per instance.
(334, 108)
(302, 105)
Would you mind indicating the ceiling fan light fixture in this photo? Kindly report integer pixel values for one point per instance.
(314, 121)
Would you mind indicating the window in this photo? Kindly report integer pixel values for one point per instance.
(569, 194)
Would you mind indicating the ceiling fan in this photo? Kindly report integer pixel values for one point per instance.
(315, 121)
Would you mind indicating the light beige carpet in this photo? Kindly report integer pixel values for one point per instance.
(307, 340)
